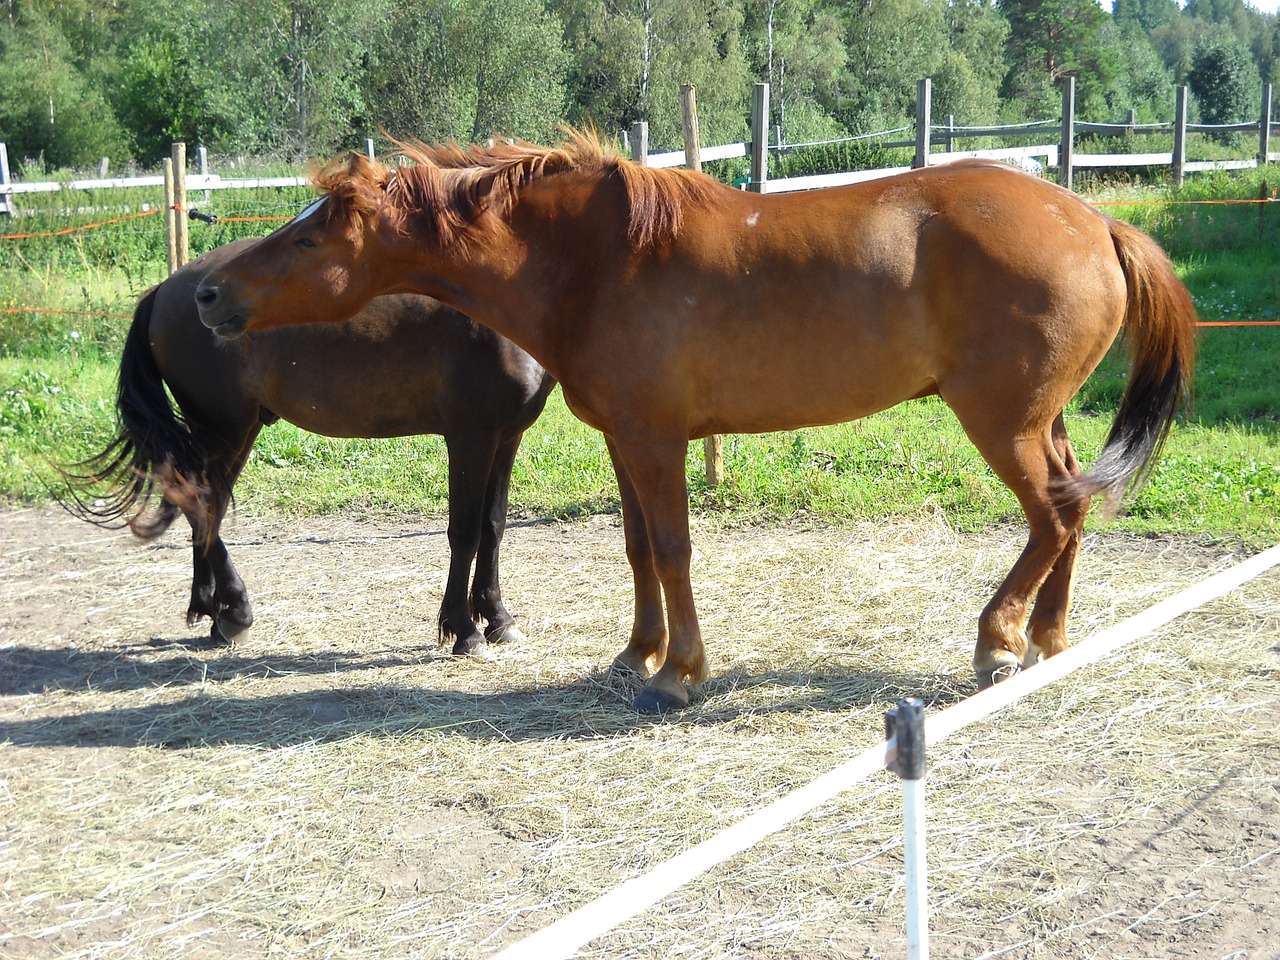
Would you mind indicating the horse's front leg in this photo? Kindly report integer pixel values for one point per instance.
(470, 458)
(647, 648)
(655, 473)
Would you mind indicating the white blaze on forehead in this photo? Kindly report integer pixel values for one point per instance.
(310, 210)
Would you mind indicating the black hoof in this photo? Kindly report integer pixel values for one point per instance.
(474, 646)
(508, 634)
(223, 633)
(654, 702)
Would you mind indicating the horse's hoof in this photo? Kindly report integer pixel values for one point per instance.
(655, 702)
(990, 677)
(624, 672)
(227, 633)
(474, 648)
(508, 634)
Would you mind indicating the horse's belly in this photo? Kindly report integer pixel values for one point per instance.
(786, 408)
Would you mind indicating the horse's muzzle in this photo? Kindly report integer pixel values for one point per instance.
(217, 314)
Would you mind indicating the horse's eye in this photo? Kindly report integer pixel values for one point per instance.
(306, 242)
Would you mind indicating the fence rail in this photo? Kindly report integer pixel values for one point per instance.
(1060, 155)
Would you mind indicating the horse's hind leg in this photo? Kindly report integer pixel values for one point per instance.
(486, 589)
(1028, 465)
(1048, 626)
(217, 591)
(471, 456)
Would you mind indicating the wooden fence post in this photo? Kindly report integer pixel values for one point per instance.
(640, 142)
(924, 121)
(1067, 146)
(712, 446)
(6, 198)
(951, 133)
(1180, 135)
(202, 164)
(170, 229)
(689, 126)
(1264, 127)
(183, 250)
(759, 138)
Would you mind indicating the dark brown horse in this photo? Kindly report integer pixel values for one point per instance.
(670, 307)
(405, 365)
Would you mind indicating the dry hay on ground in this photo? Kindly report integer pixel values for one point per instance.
(337, 787)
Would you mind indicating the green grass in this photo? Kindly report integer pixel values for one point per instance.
(1219, 477)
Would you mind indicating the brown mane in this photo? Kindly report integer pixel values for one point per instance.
(447, 188)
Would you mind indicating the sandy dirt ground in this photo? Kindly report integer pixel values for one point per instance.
(123, 734)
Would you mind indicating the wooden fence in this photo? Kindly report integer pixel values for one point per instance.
(1060, 154)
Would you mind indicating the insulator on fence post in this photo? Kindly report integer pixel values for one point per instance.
(905, 725)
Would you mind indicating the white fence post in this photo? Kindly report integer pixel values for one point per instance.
(924, 121)
(202, 160)
(6, 198)
(759, 138)
(904, 724)
(1067, 148)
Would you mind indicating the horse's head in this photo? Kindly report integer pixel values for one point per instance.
(323, 266)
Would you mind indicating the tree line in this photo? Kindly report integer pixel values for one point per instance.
(298, 79)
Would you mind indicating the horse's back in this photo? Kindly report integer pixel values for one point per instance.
(405, 365)
(951, 279)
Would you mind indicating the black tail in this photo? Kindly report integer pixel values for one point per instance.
(1161, 331)
(154, 451)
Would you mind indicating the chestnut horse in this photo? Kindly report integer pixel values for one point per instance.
(405, 365)
(671, 307)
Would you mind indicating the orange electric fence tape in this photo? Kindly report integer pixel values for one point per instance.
(83, 226)
(279, 219)
(74, 313)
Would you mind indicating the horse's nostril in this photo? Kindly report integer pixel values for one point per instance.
(206, 296)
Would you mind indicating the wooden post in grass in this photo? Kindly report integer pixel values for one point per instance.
(181, 242)
(924, 122)
(712, 446)
(1264, 126)
(1067, 146)
(640, 142)
(170, 229)
(1180, 135)
(759, 138)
